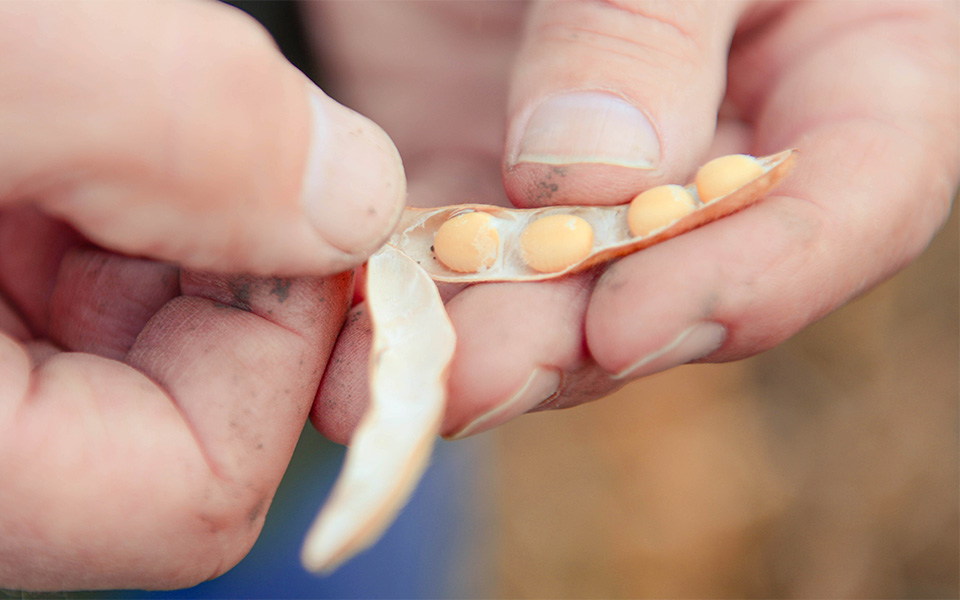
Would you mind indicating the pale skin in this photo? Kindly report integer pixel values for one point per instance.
(148, 410)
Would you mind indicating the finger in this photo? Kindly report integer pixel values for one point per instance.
(344, 394)
(519, 346)
(102, 300)
(251, 319)
(32, 246)
(227, 160)
(11, 323)
(609, 98)
(173, 458)
(15, 371)
(81, 298)
(872, 185)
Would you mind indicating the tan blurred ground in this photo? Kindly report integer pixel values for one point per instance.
(825, 468)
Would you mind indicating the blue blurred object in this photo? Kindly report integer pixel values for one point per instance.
(435, 549)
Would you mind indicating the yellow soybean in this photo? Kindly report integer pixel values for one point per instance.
(467, 243)
(658, 207)
(722, 175)
(555, 242)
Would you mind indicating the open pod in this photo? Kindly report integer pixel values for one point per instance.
(612, 238)
(413, 342)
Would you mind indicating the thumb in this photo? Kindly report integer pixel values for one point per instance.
(196, 143)
(609, 98)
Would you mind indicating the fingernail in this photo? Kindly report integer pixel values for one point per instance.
(354, 187)
(589, 127)
(695, 342)
(542, 385)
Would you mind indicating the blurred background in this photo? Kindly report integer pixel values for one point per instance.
(825, 468)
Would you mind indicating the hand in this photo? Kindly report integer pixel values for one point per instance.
(608, 98)
(148, 408)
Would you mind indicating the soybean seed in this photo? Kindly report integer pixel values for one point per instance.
(467, 243)
(658, 207)
(723, 175)
(555, 242)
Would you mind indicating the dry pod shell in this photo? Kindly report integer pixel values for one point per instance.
(413, 339)
(413, 343)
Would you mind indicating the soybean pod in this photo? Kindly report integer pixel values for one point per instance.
(500, 246)
(413, 340)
